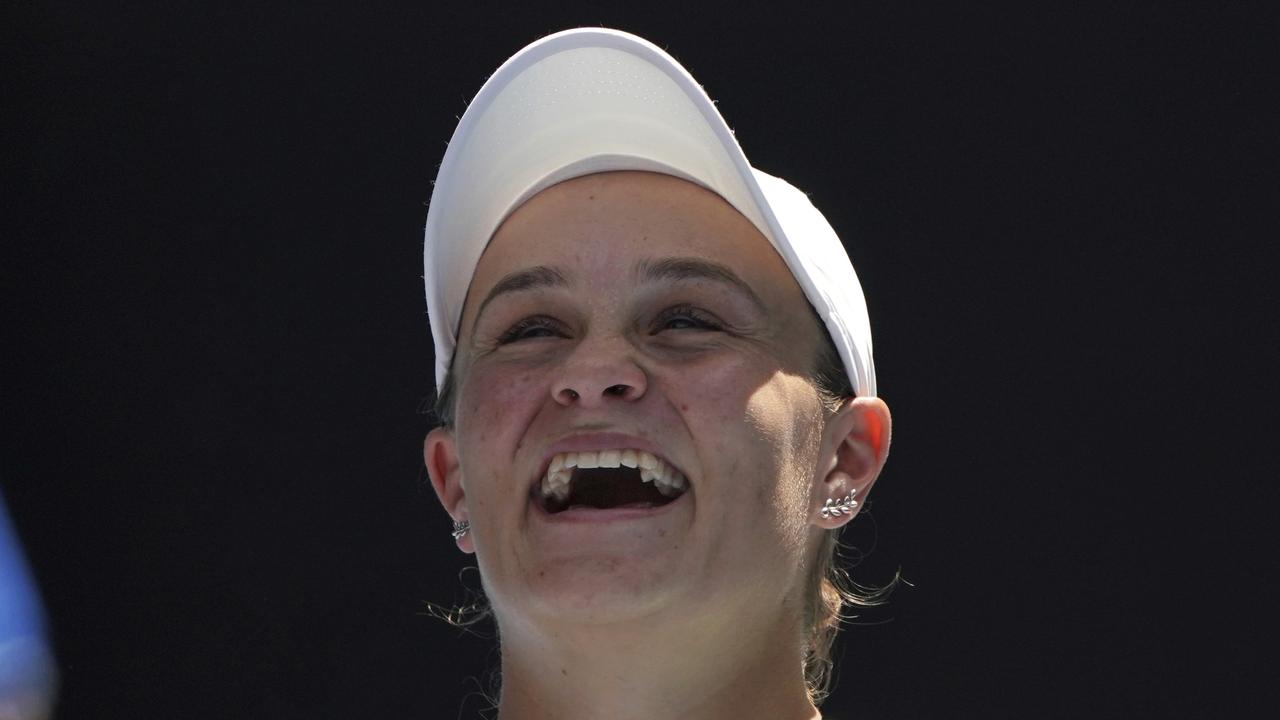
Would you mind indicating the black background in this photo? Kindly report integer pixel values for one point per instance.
(215, 343)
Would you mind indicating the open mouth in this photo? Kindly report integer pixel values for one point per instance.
(608, 479)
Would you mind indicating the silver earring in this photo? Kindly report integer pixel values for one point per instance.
(836, 508)
(461, 528)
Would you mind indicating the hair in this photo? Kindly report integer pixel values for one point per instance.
(830, 589)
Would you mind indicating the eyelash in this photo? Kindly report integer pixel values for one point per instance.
(697, 319)
(700, 320)
(535, 322)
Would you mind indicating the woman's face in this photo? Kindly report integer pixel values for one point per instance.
(626, 312)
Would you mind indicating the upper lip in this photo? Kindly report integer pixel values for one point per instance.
(599, 441)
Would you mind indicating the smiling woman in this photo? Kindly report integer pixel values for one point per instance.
(657, 392)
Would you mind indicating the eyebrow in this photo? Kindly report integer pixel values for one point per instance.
(677, 269)
(683, 269)
(533, 278)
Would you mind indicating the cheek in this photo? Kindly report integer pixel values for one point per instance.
(771, 410)
(716, 396)
(786, 415)
(493, 404)
(764, 419)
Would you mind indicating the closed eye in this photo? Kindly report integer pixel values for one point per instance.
(534, 326)
(685, 317)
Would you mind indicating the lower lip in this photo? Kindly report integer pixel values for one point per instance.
(605, 515)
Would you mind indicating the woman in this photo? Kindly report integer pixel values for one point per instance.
(657, 393)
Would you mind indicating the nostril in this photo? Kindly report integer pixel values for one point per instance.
(616, 390)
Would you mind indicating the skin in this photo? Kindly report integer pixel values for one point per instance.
(696, 611)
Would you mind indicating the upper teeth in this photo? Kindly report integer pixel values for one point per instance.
(666, 479)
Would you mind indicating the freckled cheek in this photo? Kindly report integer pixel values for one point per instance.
(489, 397)
(719, 400)
(718, 394)
(493, 413)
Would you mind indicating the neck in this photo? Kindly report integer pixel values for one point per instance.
(707, 670)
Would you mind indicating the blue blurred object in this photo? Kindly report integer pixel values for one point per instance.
(27, 672)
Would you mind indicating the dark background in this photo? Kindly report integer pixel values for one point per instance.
(215, 345)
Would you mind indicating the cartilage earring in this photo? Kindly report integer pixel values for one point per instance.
(836, 508)
(461, 528)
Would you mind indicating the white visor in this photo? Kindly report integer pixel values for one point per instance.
(594, 100)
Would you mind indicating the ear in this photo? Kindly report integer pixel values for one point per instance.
(855, 446)
(440, 453)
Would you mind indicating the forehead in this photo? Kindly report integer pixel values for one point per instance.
(594, 226)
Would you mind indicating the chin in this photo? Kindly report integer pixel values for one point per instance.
(598, 590)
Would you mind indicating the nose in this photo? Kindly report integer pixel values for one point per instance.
(596, 372)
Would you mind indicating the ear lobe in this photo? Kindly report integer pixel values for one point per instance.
(859, 435)
(440, 453)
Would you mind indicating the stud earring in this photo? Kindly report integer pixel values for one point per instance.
(836, 508)
(461, 528)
